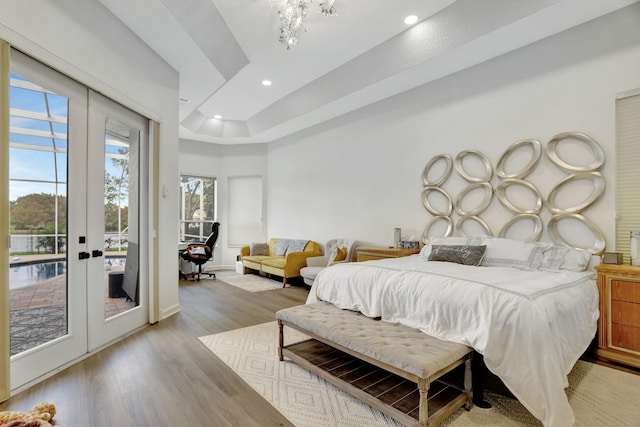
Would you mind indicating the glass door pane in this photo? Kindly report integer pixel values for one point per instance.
(38, 206)
(121, 157)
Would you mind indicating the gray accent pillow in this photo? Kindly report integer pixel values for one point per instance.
(259, 249)
(460, 254)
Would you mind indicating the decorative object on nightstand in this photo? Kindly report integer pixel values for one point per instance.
(372, 253)
(612, 258)
(619, 323)
(397, 237)
(409, 244)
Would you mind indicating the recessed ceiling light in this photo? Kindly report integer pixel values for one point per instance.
(411, 19)
(266, 83)
(217, 116)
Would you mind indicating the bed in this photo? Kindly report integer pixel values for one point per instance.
(530, 309)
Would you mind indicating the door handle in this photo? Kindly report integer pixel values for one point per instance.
(96, 253)
(84, 255)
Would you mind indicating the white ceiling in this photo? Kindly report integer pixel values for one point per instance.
(223, 49)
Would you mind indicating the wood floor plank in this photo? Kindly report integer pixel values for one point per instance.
(163, 375)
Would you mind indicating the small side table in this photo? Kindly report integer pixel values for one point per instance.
(372, 253)
(619, 323)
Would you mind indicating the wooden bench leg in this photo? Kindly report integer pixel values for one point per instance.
(280, 340)
(423, 408)
(284, 282)
(468, 387)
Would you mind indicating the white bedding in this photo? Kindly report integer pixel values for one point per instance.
(531, 326)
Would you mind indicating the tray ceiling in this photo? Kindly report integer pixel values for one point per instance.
(224, 49)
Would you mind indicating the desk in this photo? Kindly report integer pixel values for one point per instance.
(371, 253)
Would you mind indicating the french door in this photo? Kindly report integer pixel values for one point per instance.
(76, 173)
(116, 177)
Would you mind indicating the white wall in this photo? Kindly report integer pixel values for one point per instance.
(222, 162)
(359, 175)
(86, 42)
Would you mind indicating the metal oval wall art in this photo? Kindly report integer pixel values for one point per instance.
(536, 154)
(425, 237)
(482, 206)
(463, 219)
(501, 194)
(552, 152)
(488, 169)
(598, 186)
(427, 204)
(537, 226)
(552, 227)
(448, 166)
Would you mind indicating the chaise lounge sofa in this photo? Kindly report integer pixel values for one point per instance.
(280, 257)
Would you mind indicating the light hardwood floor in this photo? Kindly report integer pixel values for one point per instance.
(163, 375)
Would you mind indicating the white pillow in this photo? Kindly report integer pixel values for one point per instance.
(513, 253)
(553, 258)
(560, 257)
(576, 260)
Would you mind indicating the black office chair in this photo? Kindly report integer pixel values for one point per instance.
(199, 253)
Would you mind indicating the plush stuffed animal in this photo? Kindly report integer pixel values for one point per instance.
(38, 416)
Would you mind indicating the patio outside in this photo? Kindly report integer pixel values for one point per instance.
(38, 311)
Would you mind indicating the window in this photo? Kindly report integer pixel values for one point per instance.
(245, 210)
(198, 207)
(628, 173)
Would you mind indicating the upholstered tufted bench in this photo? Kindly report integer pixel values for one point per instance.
(373, 360)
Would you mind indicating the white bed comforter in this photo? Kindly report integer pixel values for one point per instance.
(531, 326)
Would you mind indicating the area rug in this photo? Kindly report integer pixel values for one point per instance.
(599, 396)
(249, 282)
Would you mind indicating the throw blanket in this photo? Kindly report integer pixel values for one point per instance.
(286, 246)
(531, 326)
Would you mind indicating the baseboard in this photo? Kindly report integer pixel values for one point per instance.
(170, 311)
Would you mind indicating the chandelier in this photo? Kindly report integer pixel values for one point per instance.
(293, 12)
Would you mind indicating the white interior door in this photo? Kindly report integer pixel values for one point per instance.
(118, 177)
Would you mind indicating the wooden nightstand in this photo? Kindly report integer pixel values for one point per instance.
(371, 253)
(619, 323)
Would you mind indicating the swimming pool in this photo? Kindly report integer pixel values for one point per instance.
(25, 275)
(30, 274)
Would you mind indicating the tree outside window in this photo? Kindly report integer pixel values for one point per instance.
(116, 195)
